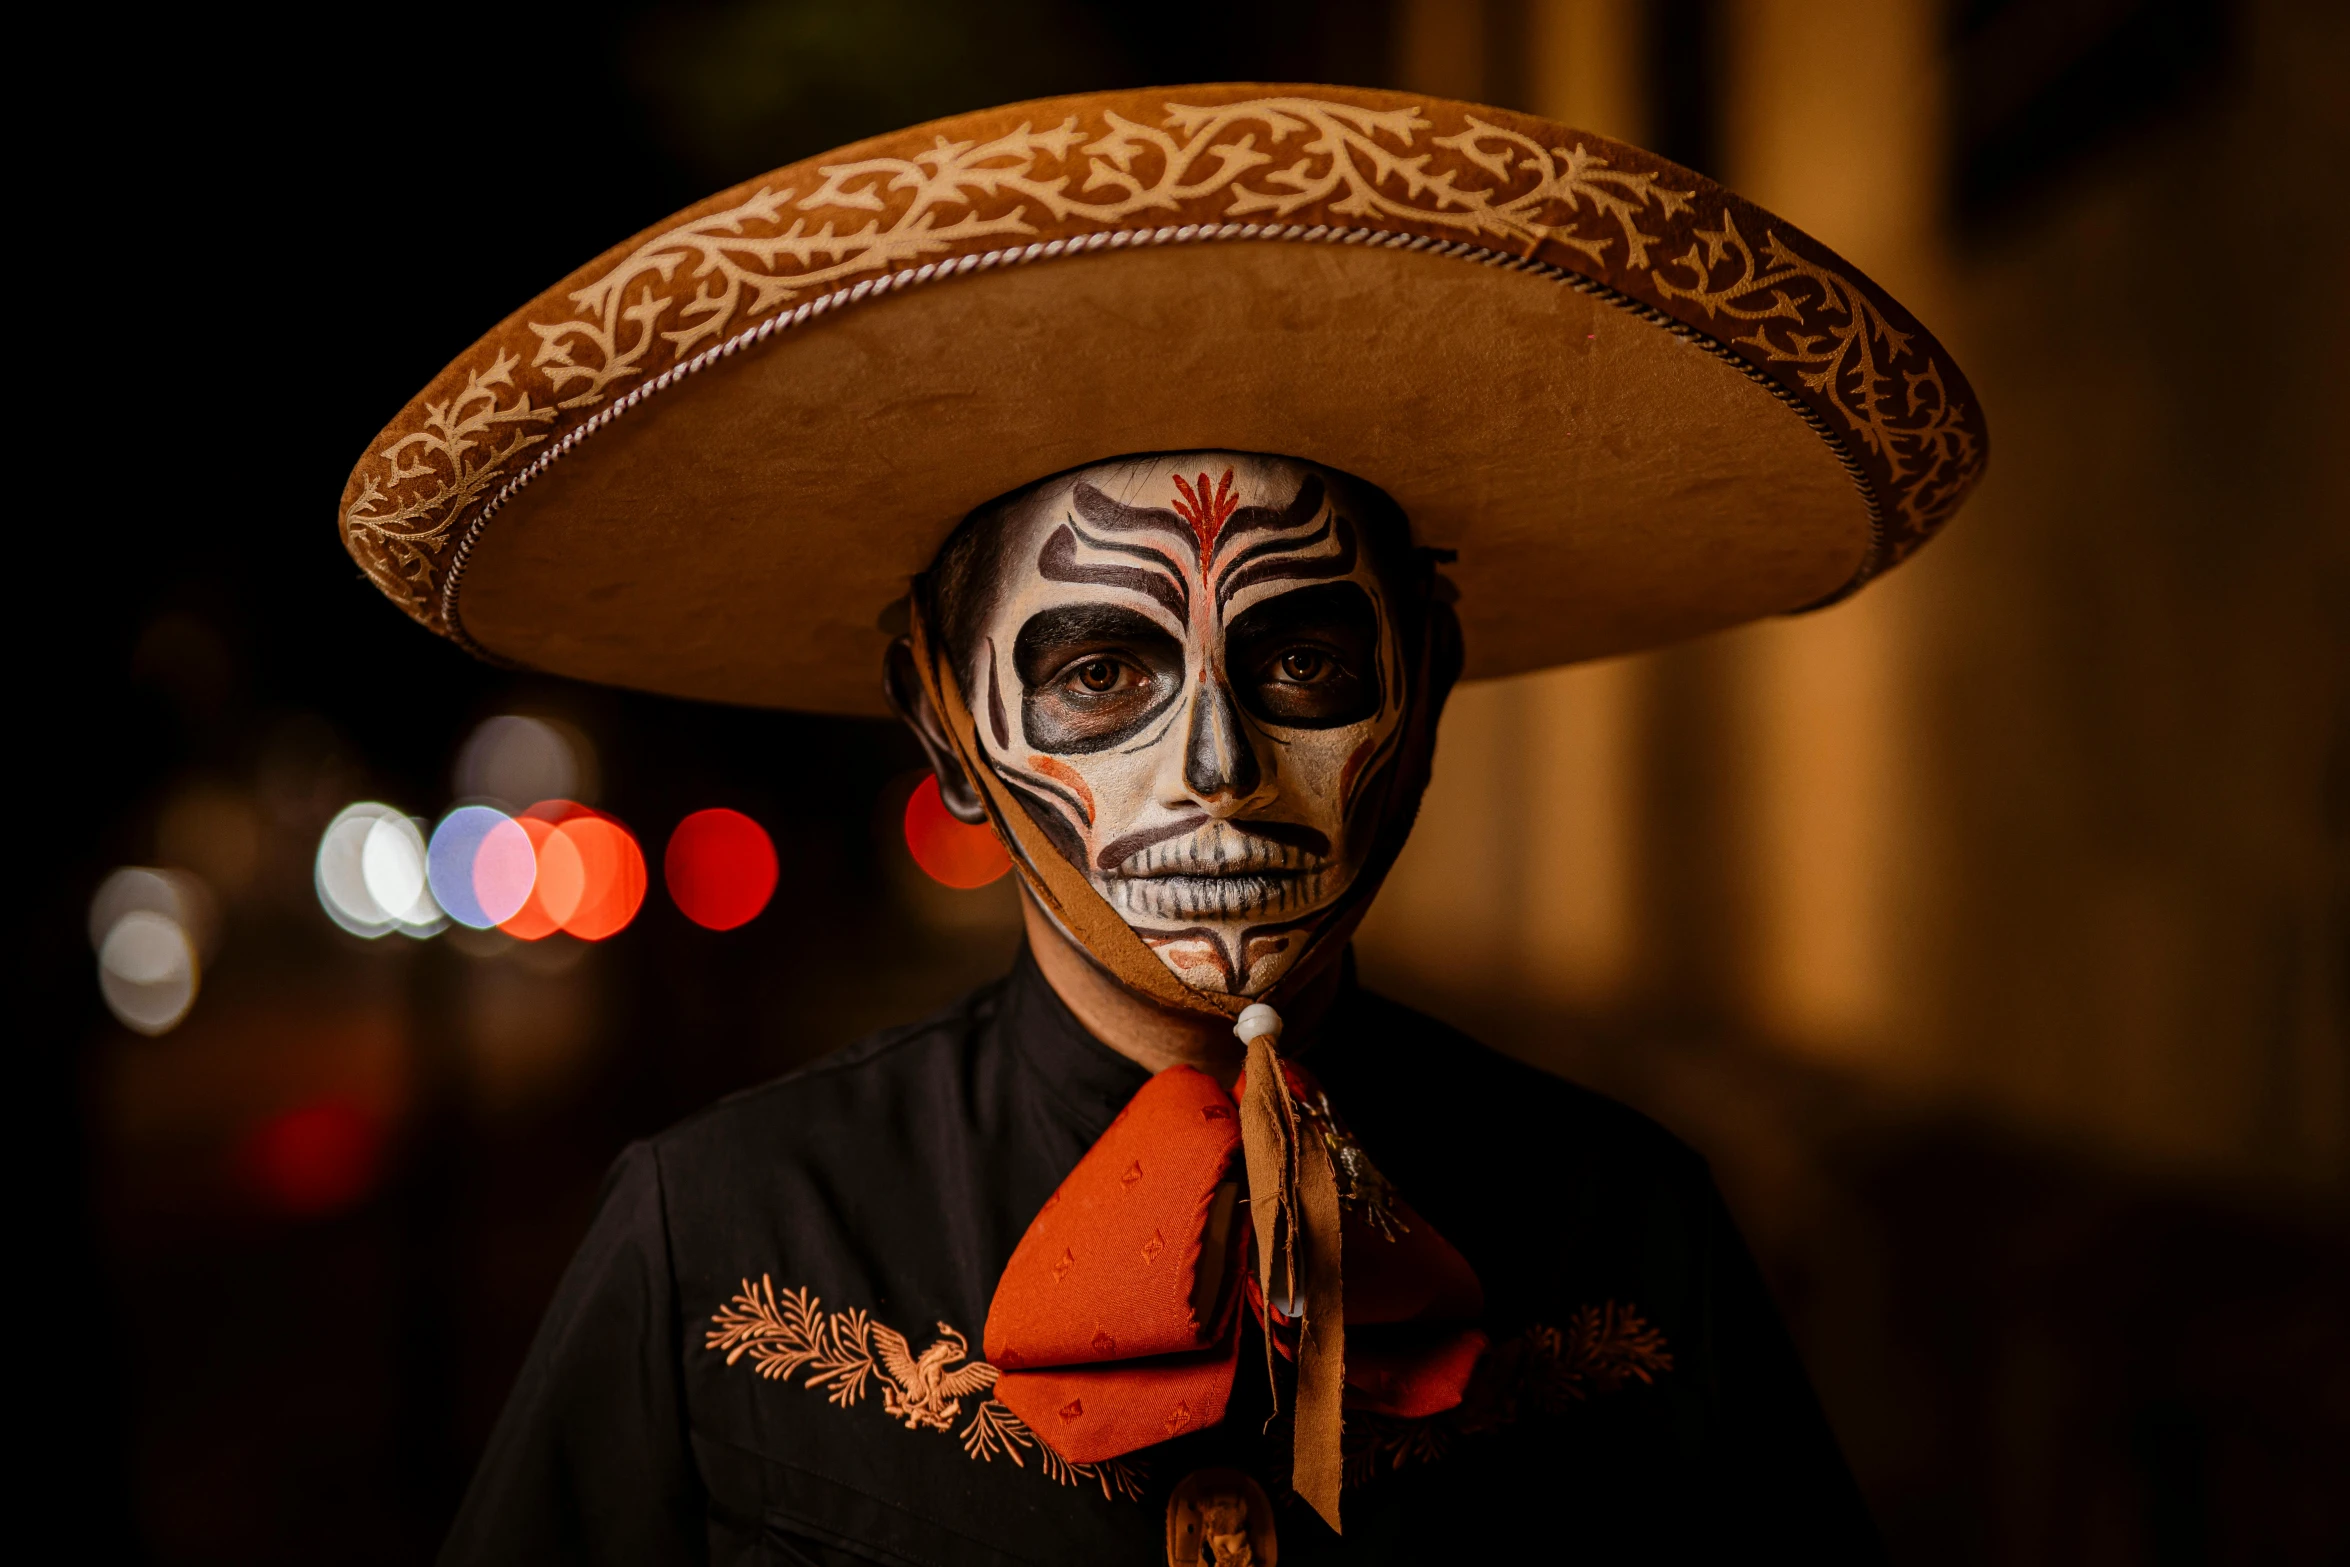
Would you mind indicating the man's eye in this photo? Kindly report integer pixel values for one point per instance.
(1304, 665)
(1100, 675)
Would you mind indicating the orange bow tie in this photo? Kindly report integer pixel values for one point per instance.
(1117, 1323)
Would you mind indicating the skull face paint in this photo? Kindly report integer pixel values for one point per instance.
(1188, 668)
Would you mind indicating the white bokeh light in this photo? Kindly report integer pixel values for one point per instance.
(180, 896)
(421, 915)
(147, 971)
(370, 873)
(391, 863)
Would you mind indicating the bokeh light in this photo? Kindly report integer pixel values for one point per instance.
(370, 873)
(591, 874)
(511, 760)
(147, 971)
(152, 930)
(555, 889)
(954, 854)
(391, 863)
(481, 865)
(721, 868)
(612, 876)
(315, 1159)
(180, 896)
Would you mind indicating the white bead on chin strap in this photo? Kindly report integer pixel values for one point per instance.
(1257, 1021)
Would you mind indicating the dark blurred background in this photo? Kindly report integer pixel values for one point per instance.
(1988, 933)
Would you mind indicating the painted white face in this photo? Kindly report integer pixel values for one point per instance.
(1188, 667)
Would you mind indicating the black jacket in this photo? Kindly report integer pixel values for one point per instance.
(718, 1378)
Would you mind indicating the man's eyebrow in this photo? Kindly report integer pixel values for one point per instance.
(1339, 605)
(1058, 562)
(1284, 560)
(1049, 632)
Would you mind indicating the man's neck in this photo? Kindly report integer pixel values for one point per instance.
(1152, 1036)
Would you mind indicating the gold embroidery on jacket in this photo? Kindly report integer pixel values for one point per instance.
(844, 1353)
(1542, 1371)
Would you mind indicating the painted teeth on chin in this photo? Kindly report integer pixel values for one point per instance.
(1216, 852)
(1214, 897)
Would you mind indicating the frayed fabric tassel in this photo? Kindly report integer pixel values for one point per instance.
(1293, 1204)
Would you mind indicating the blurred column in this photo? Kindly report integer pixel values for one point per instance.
(1832, 117)
(1440, 47)
(1579, 734)
(1450, 912)
(1585, 66)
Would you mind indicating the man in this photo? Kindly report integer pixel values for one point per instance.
(1176, 1243)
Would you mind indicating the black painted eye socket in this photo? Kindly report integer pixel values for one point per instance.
(1091, 675)
(1308, 659)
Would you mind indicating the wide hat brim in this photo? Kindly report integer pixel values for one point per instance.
(707, 464)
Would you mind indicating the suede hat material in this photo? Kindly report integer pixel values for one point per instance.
(707, 463)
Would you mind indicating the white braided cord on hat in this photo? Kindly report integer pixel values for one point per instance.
(1127, 239)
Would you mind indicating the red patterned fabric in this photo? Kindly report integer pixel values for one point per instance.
(1103, 1347)
(1106, 1274)
(1089, 1413)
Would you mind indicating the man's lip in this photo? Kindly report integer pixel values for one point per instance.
(1293, 835)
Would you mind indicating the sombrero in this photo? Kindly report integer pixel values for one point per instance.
(1635, 406)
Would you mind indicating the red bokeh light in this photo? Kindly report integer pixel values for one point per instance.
(591, 874)
(614, 876)
(954, 853)
(556, 891)
(720, 866)
(314, 1159)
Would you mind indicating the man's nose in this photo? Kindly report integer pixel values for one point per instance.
(1217, 758)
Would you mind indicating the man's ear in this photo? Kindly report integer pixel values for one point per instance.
(911, 703)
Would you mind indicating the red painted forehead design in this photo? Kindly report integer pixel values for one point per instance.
(1206, 513)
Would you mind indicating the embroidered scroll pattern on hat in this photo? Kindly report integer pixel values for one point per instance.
(1544, 1371)
(1018, 184)
(1814, 320)
(846, 1354)
(1277, 168)
(398, 523)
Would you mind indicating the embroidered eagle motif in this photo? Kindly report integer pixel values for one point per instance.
(787, 1334)
(927, 1395)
